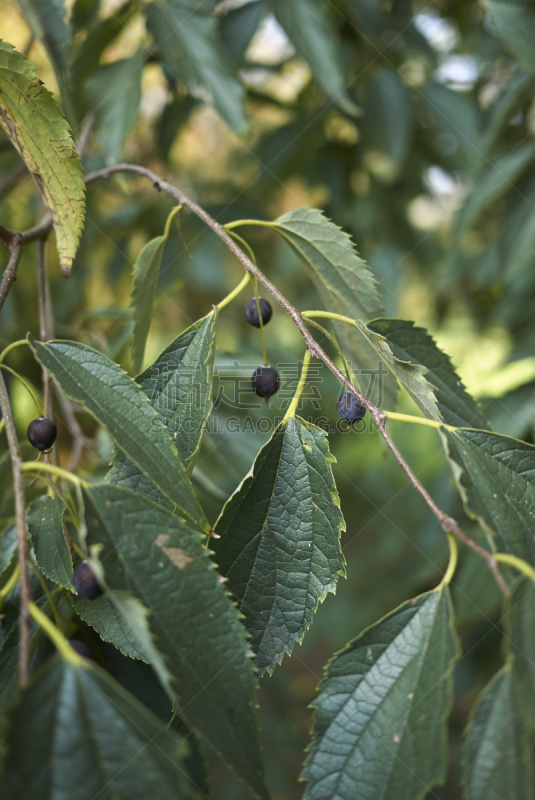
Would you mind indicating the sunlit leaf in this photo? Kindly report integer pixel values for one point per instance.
(380, 718)
(34, 122)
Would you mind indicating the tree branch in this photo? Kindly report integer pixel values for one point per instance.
(18, 484)
(447, 523)
(10, 273)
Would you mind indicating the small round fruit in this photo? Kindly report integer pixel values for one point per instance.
(265, 381)
(42, 433)
(349, 408)
(85, 581)
(81, 648)
(251, 312)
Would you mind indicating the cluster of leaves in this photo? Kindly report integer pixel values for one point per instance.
(184, 633)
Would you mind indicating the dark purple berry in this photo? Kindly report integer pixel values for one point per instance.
(349, 408)
(81, 648)
(42, 433)
(251, 312)
(85, 581)
(265, 381)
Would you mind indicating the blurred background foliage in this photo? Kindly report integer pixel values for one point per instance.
(412, 125)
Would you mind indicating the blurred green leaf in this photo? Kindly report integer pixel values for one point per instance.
(497, 757)
(425, 371)
(380, 718)
(90, 738)
(190, 46)
(45, 526)
(114, 91)
(387, 116)
(47, 20)
(496, 477)
(280, 539)
(309, 27)
(239, 25)
(34, 123)
(118, 403)
(152, 553)
(515, 23)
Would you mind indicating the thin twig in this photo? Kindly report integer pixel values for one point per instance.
(43, 328)
(10, 273)
(18, 484)
(312, 345)
(447, 523)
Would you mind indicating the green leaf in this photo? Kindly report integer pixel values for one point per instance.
(499, 179)
(34, 123)
(497, 757)
(153, 554)
(239, 25)
(146, 271)
(191, 48)
(345, 284)
(117, 402)
(425, 371)
(380, 719)
(8, 549)
(519, 623)
(86, 57)
(110, 625)
(496, 476)
(309, 26)
(179, 387)
(280, 539)
(388, 116)
(515, 24)
(45, 526)
(114, 91)
(89, 738)
(47, 21)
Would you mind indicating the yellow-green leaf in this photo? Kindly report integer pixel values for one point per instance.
(37, 128)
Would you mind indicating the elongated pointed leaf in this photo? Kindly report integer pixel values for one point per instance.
(179, 388)
(118, 403)
(380, 718)
(280, 539)
(346, 285)
(47, 20)
(146, 271)
(34, 122)
(499, 179)
(190, 44)
(8, 550)
(497, 754)
(308, 25)
(110, 625)
(519, 623)
(90, 738)
(153, 554)
(114, 90)
(515, 24)
(45, 526)
(496, 476)
(424, 371)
